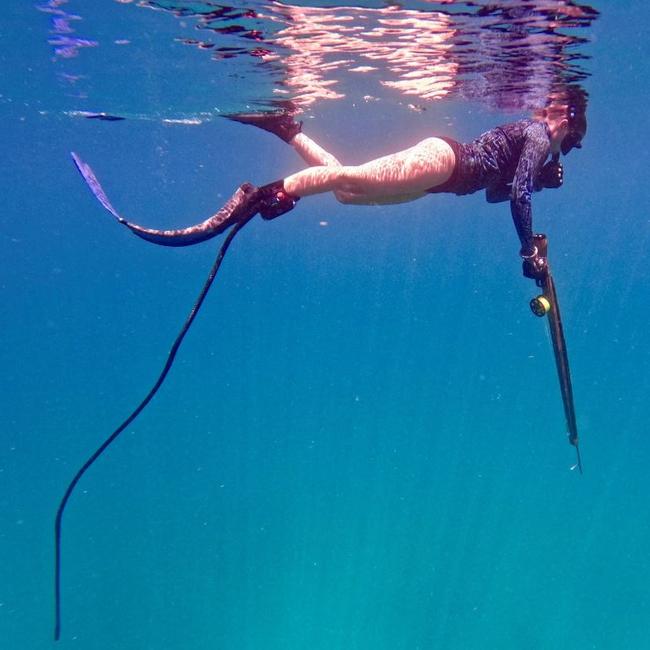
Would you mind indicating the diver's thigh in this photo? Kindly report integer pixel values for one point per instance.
(411, 171)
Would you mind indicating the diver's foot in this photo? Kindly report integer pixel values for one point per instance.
(270, 201)
(280, 123)
(273, 200)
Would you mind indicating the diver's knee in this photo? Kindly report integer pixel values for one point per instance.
(346, 198)
(347, 187)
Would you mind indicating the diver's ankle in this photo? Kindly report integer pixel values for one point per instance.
(274, 200)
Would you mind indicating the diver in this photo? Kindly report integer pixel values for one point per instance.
(509, 162)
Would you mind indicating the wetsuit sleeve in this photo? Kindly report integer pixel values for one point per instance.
(533, 154)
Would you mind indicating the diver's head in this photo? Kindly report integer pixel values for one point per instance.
(565, 116)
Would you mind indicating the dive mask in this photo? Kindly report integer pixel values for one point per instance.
(573, 138)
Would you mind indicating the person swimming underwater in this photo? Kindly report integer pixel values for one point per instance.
(509, 162)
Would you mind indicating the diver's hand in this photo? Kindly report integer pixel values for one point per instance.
(551, 176)
(534, 266)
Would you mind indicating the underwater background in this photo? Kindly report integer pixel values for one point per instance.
(361, 444)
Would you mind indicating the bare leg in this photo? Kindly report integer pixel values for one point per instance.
(312, 153)
(396, 178)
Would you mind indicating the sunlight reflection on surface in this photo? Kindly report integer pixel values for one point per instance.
(505, 55)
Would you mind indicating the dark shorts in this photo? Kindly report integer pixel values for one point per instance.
(452, 184)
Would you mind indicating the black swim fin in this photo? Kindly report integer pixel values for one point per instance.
(280, 123)
(241, 207)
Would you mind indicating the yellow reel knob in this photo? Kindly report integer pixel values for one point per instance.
(540, 306)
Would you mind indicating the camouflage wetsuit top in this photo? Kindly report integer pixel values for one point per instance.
(505, 162)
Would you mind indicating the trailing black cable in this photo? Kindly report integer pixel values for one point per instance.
(102, 448)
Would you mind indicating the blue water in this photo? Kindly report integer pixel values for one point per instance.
(361, 444)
